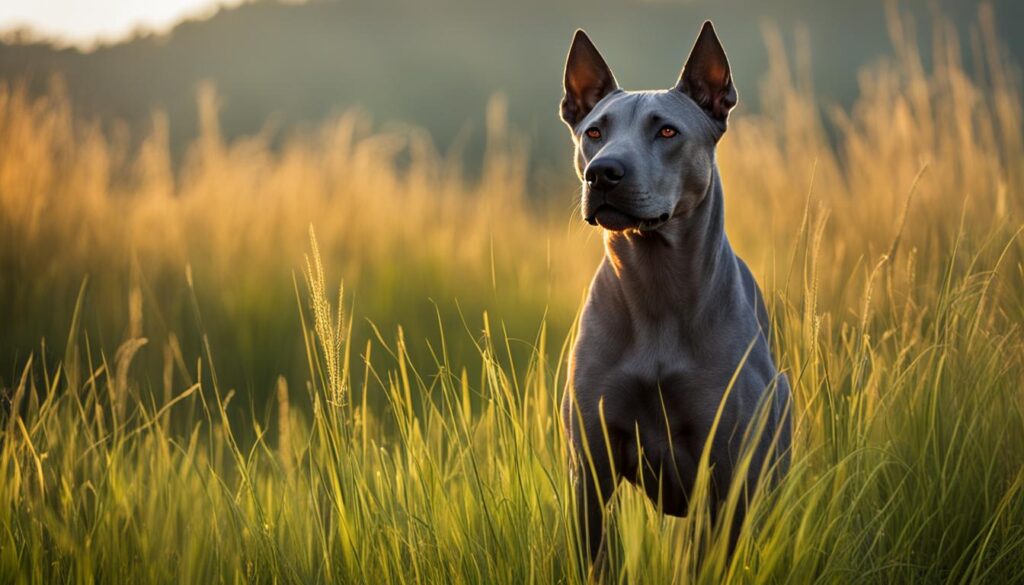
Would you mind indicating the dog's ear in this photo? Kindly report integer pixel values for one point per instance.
(587, 79)
(706, 77)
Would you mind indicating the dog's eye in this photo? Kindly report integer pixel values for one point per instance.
(593, 134)
(667, 132)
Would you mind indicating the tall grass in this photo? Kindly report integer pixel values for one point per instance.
(395, 220)
(426, 446)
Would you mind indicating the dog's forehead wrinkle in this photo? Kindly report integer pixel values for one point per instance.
(621, 104)
(661, 106)
(636, 105)
(606, 105)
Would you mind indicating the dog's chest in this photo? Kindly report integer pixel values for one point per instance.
(657, 355)
(654, 371)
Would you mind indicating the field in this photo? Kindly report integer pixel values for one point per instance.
(189, 397)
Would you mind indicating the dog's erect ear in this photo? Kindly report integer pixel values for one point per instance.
(706, 77)
(587, 79)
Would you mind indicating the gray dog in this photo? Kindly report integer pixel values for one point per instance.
(672, 314)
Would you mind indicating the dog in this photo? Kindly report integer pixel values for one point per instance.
(672, 314)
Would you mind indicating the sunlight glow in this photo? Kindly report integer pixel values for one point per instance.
(85, 22)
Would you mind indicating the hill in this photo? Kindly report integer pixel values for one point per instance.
(436, 65)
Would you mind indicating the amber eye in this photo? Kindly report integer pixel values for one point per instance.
(667, 132)
(593, 134)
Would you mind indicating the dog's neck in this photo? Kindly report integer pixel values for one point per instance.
(680, 270)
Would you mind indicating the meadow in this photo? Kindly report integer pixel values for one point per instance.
(189, 394)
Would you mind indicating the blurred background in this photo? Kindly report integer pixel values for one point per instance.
(430, 64)
(162, 163)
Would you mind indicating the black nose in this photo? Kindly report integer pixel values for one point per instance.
(604, 173)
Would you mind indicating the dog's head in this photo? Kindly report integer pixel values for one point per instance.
(647, 156)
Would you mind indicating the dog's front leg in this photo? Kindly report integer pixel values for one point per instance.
(595, 483)
(592, 493)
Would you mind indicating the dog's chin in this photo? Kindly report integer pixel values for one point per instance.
(615, 220)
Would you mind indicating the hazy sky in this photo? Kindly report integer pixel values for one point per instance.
(82, 21)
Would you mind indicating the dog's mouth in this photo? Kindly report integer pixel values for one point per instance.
(614, 219)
